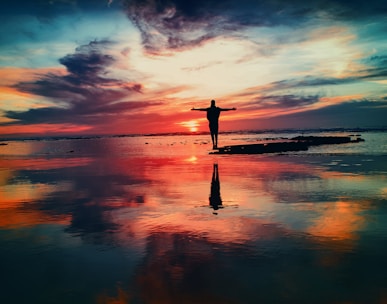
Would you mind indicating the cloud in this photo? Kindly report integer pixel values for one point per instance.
(377, 67)
(88, 63)
(355, 113)
(378, 60)
(173, 24)
(289, 101)
(178, 24)
(308, 81)
(85, 94)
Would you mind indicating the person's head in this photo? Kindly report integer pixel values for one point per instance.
(212, 103)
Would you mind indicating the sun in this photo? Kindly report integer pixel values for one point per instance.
(191, 125)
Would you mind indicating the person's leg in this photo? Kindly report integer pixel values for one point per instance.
(216, 135)
(213, 140)
(212, 130)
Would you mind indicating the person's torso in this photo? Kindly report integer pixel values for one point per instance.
(213, 114)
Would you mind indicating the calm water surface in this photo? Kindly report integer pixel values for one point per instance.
(158, 220)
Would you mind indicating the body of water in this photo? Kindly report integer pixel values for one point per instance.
(157, 219)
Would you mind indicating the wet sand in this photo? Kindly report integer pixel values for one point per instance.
(159, 220)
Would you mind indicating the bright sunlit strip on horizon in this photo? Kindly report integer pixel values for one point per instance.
(191, 125)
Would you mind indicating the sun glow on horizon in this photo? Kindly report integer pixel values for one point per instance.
(191, 125)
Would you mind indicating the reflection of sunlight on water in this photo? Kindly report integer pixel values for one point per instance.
(192, 159)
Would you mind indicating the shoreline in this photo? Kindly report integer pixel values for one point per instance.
(189, 134)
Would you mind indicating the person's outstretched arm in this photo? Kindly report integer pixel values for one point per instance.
(199, 109)
(227, 109)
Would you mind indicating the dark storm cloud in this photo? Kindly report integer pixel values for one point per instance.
(175, 24)
(84, 95)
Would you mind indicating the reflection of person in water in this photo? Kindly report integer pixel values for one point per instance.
(215, 199)
(213, 113)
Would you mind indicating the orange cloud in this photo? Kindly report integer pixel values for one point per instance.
(12, 75)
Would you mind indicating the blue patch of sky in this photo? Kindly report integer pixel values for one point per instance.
(30, 43)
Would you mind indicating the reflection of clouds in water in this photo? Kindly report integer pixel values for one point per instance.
(140, 194)
(95, 192)
(290, 182)
(338, 220)
(292, 214)
(14, 218)
(16, 195)
(82, 191)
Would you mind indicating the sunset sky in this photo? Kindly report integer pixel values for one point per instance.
(139, 66)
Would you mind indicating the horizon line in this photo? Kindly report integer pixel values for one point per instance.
(253, 131)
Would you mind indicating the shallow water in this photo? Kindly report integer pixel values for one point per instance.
(158, 220)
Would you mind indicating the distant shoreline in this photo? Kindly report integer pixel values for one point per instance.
(275, 131)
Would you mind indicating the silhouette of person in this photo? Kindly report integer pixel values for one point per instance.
(213, 113)
(215, 199)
